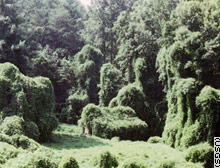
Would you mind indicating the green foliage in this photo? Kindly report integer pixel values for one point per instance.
(68, 162)
(131, 128)
(167, 164)
(110, 83)
(7, 152)
(102, 15)
(208, 102)
(202, 152)
(132, 163)
(68, 141)
(36, 160)
(88, 63)
(110, 122)
(24, 142)
(122, 112)
(113, 102)
(30, 98)
(188, 63)
(155, 139)
(76, 103)
(12, 46)
(105, 160)
(132, 96)
(31, 130)
(89, 113)
(12, 125)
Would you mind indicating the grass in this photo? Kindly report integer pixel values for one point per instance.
(67, 140)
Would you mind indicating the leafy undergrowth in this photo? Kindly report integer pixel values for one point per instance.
(69, 142)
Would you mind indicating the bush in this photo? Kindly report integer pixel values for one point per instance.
(20, 141)
(133, 97)
(12, 125)
(31, 98)
(39, 162)
(121, 112)
(105, 160)
(155, 139)
(31, 130)
(88, 63)
(133, 163)
(166, 164)
(5, 138)
(7, 152)
(110, 83)
(89, 113)
(109, 122)
(201, 153)
(71, 113)
(131, 128)
(24, 142)
(68, 162)
(208, 102)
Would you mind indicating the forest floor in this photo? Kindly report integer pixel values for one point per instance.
(68, 141)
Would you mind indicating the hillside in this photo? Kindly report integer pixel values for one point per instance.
(68, 141)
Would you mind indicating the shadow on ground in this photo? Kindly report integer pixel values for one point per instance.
(62, 141)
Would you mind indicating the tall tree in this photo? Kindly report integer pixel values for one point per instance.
(189, 66)
(101, 17)
(12, 47)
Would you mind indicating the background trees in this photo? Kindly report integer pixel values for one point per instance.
(153, 56)
(188, 62)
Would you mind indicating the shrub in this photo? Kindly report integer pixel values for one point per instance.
(31, 130)
(105, 160)
(202, 152)
(208, 102)
(121, 112)
(12, 125)
(89, 113)
(68, 162)
(19, 141)
(40, 162)
(132, 96)
(155, 139)
(88, 63)
(166, 164)
(24, 142)
(131, 128)
(31, 98)
(7, 152)
(71, 113)
(133, 163)
(109, 122)
(110, 83)
(5, 138)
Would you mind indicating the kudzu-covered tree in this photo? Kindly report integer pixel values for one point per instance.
(110, 82)
(32, 99)
(137, 31)
(87, 64)
(188, 63)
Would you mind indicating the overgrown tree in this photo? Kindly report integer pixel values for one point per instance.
(187, 63)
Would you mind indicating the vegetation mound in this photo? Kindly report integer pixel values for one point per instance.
(30, 98)
(119, 122)
(203, 153)
(105, 160)
(69, 162)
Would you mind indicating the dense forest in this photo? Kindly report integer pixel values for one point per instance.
(117, 83)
